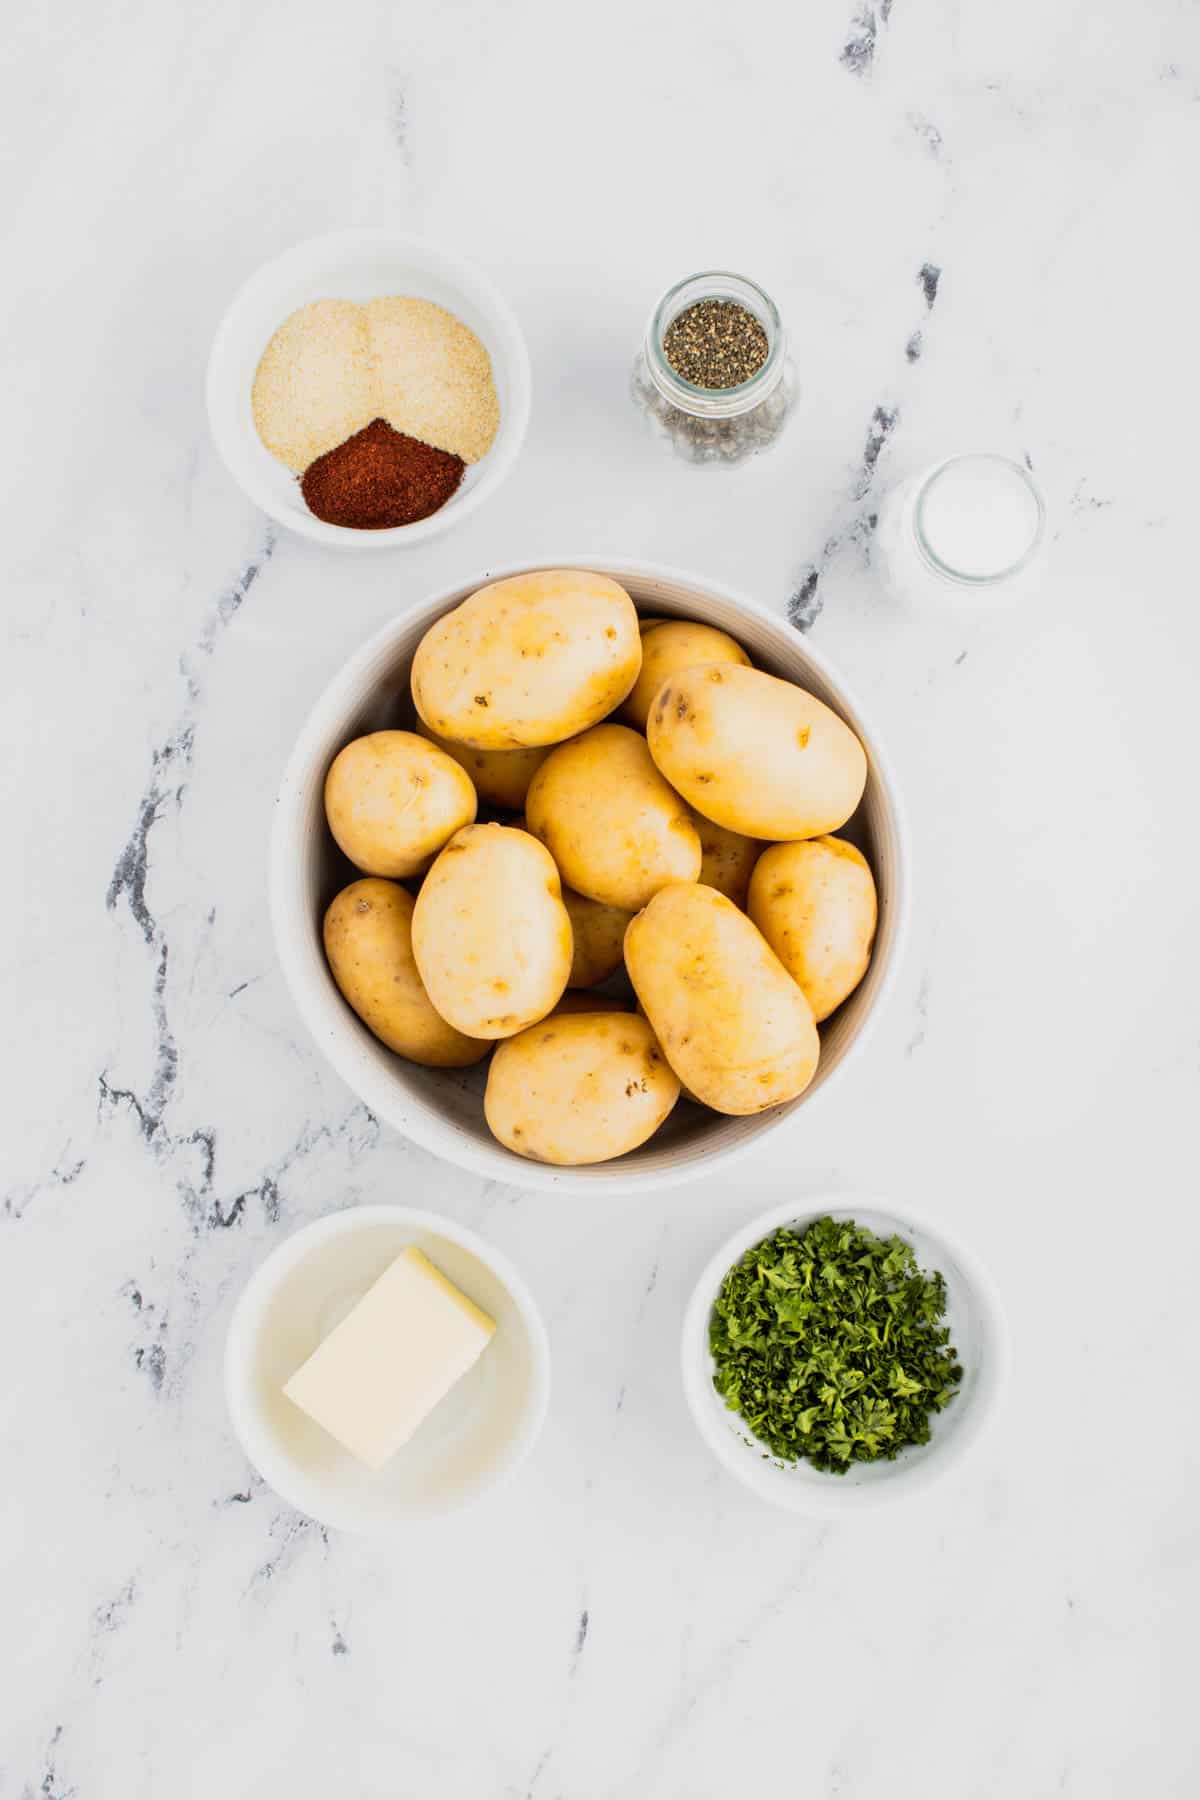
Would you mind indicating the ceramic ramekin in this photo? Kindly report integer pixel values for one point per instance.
(360, 265)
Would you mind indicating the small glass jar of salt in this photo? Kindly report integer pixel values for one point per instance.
(739, 396)
(970, 527)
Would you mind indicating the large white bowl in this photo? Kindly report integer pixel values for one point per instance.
(442, 1109)
(471, 1440)
(359, 265)
(977, 1332)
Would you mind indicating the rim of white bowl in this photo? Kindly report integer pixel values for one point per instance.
(451, 267)
(259, 1447)
(329, 1029)
(835, 1497)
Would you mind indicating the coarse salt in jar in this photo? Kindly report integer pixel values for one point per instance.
(713, 375)
(967, 530)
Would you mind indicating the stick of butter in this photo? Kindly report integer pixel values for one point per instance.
(393, 1357)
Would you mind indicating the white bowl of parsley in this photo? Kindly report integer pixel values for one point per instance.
(838, 1357)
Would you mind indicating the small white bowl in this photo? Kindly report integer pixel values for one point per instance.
(443, 1108)
(977, 1332)
(476, 1436)
(359, 265)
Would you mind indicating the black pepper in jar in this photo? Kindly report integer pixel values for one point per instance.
(715, 344)
(712, 375)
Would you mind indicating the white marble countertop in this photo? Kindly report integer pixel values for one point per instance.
(980, 226)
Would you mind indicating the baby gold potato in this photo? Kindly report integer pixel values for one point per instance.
(527, 661)
(756, 754)
(368, 941)
(732, 1023)
(392, 800)
(668, 646)
(579, 1088)
(599, 934)
(612, 824)
(500, 777)
(726, 859)
(815, 904)
(491, 936)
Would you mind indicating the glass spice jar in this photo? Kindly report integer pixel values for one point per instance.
(709, 424)
(960, 535)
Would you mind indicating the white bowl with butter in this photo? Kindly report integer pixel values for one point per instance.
(377, 1368)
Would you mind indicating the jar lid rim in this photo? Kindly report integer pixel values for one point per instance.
(716, 402)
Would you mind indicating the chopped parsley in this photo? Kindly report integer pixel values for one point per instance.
(832, 1346)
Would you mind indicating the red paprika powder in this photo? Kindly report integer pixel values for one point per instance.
(379, 478)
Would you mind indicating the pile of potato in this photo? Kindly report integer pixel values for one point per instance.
(678, 806)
